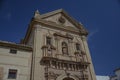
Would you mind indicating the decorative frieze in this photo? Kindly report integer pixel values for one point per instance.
(64, 65)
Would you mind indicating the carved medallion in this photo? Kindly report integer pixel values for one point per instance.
(61, 20)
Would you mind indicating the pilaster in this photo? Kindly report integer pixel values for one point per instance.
(88, 57)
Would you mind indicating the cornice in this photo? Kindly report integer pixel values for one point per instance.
(64, 13)
(60, 27)
(14, 45)
(39, 20)
(53, 25)
(47, 46)
(61, 35)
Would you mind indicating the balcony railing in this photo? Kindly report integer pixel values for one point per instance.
(49, 52)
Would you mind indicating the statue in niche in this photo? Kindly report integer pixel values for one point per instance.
(64, 48)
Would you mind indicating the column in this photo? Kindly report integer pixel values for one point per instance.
(58, 45)
(60, 65)
(70, 51)
(50, 63)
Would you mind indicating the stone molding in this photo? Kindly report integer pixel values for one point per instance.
(61, 35)
(14, 45)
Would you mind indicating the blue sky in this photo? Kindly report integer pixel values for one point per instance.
(100, 17)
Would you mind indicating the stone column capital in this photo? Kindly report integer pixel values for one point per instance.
(37, 26)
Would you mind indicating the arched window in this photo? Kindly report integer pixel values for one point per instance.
(64, 48)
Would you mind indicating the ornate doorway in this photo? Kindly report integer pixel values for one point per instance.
(68, 78)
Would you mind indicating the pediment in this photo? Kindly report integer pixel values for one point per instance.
(62, 18)
(58, 19)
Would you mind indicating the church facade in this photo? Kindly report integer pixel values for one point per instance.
(54, 48)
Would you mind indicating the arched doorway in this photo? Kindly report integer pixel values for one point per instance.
(68, 78)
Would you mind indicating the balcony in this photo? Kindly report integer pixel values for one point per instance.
(49, 54)
(66, 57)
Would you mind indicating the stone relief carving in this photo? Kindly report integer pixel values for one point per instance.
(61, 20)
(50, 75)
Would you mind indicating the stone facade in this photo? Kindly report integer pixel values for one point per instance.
(59, 49)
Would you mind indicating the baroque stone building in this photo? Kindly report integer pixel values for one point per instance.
(54, 48)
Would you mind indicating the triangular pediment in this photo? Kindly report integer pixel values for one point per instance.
(61, 17)
(58, 19)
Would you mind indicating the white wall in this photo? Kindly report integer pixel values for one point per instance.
(20, 61)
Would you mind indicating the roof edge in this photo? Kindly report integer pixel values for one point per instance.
(14, 45)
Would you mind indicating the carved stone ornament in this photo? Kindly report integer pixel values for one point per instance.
(52, 75)
(83, 38)
(61, 20)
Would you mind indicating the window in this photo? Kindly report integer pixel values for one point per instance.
(48, 40)
(12, 74)
(64, 48)
(77, 46)
(13, 51)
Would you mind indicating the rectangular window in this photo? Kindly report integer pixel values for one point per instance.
(12, 74)
(77, 46)
(48, 40)
(13, 51)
